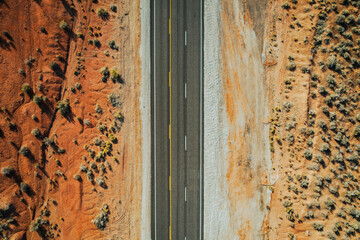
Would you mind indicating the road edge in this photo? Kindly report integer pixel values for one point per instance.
(145, 119)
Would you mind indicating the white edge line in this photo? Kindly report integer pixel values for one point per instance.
(201, 118)
(154, 121)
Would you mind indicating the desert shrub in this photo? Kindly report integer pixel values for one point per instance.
(113, 8)
(97, 42)
(331, 81)
(39, 226)
(100, 181)
(286, 5)
(36, 132)
(112, 45)
(291, 66)
(334, 190)
(357, 131)
(340, 19)
(114, 75)
(101, 12)
(119, 116)
(325, 110)
(287, 106)
(77, 177)
(304, 183)
(313, 166)
(330, 204)
(101, 220)
(38, 99)
(25, 151)
(318, 226)
(354, 212)
(90, 176)
(97, 141)
(87, 122)
(325, 147)
(345, 12)
(54, 66)
(7, 34)
(77, 85)
(24, 187)
(64, 108)
(42, 29)
(7, 171)
(308, 154)
(26, 88)
(331, 62)
(322, 90)
(98, 109)
(83, 168)
(290, 138)
(48, 141)
(64, 25)
(322, 124)
(309, 214)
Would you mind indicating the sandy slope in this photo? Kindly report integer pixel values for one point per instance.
(235, 114)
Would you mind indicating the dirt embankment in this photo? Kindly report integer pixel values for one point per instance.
(245, 94)
(71, 74)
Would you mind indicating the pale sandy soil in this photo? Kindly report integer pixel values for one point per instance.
(236, 111)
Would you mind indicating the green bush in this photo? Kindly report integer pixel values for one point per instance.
(101, 220)
(113, 8)
(318, 226)
(286, 5)
(64, 108)
(38, 100)
(77, 177)
(54, 66)
(64, 25)
(24, 187)
(7, 171)
(357, 131)
(98, 109)
(36, 132)
(340, 19)
(291, 66)
(26, 88)
(101, 12)
(25, 151)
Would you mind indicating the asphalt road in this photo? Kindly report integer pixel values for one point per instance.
(177, 102)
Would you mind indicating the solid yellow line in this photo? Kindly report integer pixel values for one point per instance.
(170, 119)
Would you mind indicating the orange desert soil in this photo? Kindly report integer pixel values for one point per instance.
(60, 48)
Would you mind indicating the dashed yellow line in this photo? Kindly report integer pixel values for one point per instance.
(170, 118)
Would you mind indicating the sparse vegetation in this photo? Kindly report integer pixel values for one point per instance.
(25, 151)
(64, 25)
(101, 12)
(7, 171)
(64, 108)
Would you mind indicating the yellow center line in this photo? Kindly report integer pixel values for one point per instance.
(170, 117)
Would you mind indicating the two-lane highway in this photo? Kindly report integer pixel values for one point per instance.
(177, 119)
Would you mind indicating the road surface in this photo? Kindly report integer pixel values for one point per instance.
(177, 119)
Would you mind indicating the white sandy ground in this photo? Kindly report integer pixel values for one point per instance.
(216, 202)
(223, 220)
(145, 120)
